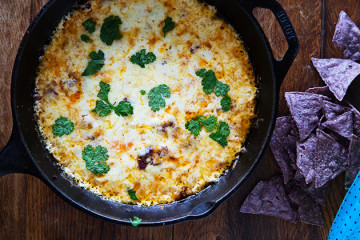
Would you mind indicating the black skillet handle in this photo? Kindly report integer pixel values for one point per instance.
(14, 157)
(281, 66)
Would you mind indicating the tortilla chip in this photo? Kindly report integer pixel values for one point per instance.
(333, 110)
(356, 121)
(331, 158)
(309, 212)
(305, 109)
(283, 146)
(354, 158)
(347, 37)
(268, 198)
(306, 158)
(342, 124)
(318, 194)
(338, 74)
(325, 91)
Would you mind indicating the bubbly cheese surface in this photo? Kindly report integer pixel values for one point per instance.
(178, 163)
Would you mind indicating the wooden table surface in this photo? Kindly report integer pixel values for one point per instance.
(30, 210)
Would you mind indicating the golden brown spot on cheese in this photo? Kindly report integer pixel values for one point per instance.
(153, 40)
(75, 97)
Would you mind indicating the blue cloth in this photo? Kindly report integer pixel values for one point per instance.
(346, 225)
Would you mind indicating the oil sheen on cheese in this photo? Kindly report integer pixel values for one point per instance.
(181, 163)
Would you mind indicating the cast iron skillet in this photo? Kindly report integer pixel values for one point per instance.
(25, 153)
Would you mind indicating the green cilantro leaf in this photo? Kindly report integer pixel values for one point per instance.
(157, 95)
(109, 31)
(104, 92)
(89, 25)
(95, 159)
(132, 194)
(169, 25)
(221, 89)
(143, 92)
(226, 103)
(136, 221)
(124, 109)
(93, 67)
(97, 56)
(62, 126)
(220, 135)
(102, 108)
(201, 72)
(140, 58)
(85, 38)
(211, 83)
(193, 126)
(209, 123)
(209, 80)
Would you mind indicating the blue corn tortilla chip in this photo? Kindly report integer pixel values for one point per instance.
(342, 124)
(305, 109)
(356, 121)
(325, 91)
(333, 110)
(331, 158)
(269, 198)
(309, 212)
(347, 37)
(283, 146)
(354, 158)
(305, 160)
(318, 194)
(338, 74)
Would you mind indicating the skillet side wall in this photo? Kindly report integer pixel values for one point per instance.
(193, 207)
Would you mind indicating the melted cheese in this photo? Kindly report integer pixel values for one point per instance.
(185, 163)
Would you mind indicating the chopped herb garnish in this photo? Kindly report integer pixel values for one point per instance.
(124, 109)
(104, 107)
(95, 159)
(209, 80)
(136, 221)
(143, 92)
(97, 55)
(221, 89)
(62, 126)
(211, 83)
(220, 135)
(89, 25)
(157, 95)
(226, 103)
(140, 58)
(93, 67)
(209, 123)
(132, 194)
(104, 91)
(194, 125)
(109, 31)
(169, 25)
(85, 38)
(95, 64)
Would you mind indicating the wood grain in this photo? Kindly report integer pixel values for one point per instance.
(30, 210)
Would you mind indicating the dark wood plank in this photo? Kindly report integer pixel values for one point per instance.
(14, 19)
(332, 11)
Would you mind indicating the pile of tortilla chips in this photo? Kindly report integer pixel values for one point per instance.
(317, 142)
